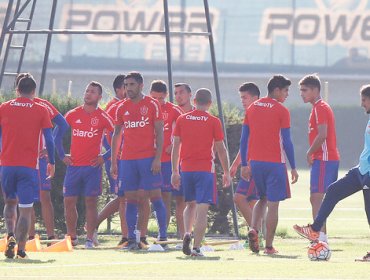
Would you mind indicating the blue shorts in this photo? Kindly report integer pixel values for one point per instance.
(137, 174)
(83, 180)
(271, 180)
(199, 187)
(113, 185)
(323, 173)
(248, 189)
(19, 182)
(166, 171)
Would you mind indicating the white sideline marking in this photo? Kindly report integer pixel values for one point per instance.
(150, 277)
(333, 219)
(182, 262)
(336, 209)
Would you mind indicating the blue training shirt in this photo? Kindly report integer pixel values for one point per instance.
(364, 157)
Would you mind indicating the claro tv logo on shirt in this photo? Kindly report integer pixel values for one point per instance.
(83, 133)
(137, 124)
(196, 118)
(20, 104)
(262, 104)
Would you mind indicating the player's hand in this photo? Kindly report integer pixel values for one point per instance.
(245, 173)
(156, 166)
(233, 170)
(67, 160)
(98, 161)
(168, 149)
(50, 171)
(43, 153)
(226, 180)
(294, 176)
(176, 180)
(309, 158)
(114, 170)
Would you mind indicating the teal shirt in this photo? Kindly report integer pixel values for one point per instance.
(365, 155)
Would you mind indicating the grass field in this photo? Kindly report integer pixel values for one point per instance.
(348, 237)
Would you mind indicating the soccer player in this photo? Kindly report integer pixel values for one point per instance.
(183, 100)
(113, 206)
(22, 121)
(140, 159)
(183, 97)
(355, 180)
(83, 176)
(323, 155)
(42, 194)
(144, 204)
(265, 133)
(197, 166)
(245, 195)
(170, 112)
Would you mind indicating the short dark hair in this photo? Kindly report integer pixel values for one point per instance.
(98, 85)
(277, 81)
(118, 81)
(252, 88)
(365, 90)
(136, 76)
(203, 96)
(26, 84)
(311, 80)
(158, 86)
(19, 77)
(185, 85)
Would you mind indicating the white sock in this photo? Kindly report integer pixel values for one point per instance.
(323, 237)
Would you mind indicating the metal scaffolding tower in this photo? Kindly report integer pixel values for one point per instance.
(22, 11)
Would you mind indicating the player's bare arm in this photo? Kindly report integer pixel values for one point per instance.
(175, 155)
(50, 171)
(235, 165)
(67, 160)
(295, 176)
(98, 161)
(156, 165)
(116, 140)
(245, 173)
(168, 149)
(322, 132)
(223, 156)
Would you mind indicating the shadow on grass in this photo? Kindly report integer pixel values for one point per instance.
(336, 250)
(279, 256)
(184, 258)
(26, 261)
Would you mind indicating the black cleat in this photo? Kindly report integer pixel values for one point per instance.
(131, 245)
(10, 246)
(186, 245)
(21, 255)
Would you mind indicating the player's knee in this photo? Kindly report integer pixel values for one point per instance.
(237, 199)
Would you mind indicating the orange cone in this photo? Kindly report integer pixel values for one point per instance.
(64, 245)
(2, 244)
(34, 245)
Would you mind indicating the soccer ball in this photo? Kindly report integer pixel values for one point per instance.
(319, 251)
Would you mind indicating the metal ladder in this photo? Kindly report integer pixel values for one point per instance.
(9, 30)
(22, 16)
